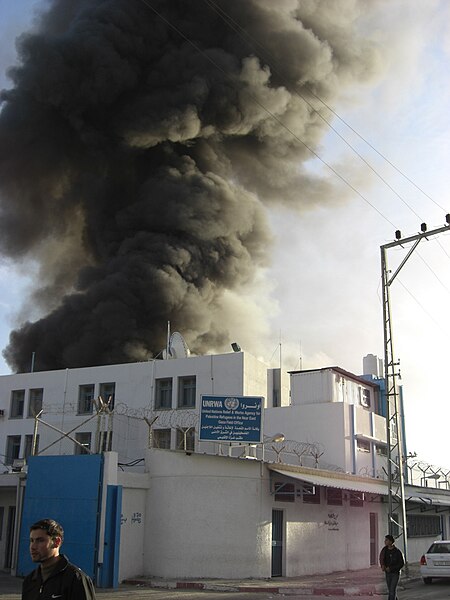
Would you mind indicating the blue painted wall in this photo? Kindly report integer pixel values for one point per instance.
(67, 489)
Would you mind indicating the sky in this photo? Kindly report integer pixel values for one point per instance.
(321, 293)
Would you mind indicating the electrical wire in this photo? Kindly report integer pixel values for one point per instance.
(270, 113)
(237, 28)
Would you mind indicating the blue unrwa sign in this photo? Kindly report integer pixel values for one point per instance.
(231, 419)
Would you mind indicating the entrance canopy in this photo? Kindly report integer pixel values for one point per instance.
(334, 480)
(427, 498)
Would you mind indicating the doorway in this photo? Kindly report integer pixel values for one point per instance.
(373, 538)
(277, 543)
(10, 536)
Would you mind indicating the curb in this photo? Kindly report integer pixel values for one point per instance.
(377, 589)
(368, 590)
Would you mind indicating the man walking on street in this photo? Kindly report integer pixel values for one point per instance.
(391, 562)
(55, 577)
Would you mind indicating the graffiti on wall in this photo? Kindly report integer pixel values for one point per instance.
(136, 517)
(332, 521)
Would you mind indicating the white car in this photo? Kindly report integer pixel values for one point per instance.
(436, 561)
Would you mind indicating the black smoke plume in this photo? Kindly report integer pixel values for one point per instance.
(141, 144)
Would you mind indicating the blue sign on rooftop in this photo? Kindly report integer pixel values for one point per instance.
(231, 419)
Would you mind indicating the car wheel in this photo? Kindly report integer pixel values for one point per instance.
(427, 580)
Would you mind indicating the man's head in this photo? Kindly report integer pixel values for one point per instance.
(389, 540)
(46, 537)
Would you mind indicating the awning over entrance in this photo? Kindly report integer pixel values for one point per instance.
(430, 500)
(341, 481)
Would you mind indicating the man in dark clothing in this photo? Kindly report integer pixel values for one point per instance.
(55, 577)
(391, 562)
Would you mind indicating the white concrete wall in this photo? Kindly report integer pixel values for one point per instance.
(311, 387)
(232, 373)
(323, 539)
(418, 546)
(327, 385)
(211, 517)
(207, 516)
(326, 424)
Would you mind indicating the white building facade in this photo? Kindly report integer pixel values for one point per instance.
(312, 502)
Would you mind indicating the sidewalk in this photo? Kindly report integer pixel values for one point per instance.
(366, 582)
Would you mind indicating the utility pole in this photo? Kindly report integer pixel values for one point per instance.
(394, 430)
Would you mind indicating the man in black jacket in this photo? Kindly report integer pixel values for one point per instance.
(55, 577)
(391, 562)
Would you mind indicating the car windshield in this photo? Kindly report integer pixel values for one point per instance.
(441, 548)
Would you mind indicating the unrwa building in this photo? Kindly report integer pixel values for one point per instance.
(142, 494)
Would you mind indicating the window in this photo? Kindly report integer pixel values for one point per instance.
(106, 441)
(107, 392)
(439, 548)
(310, 493)
(163, 393)
(36, 396)
(425, 525)
(284, 492)
(83, 438)
(29, 446)
(362, 446)
(364, 397)
(186, 392)
(186, 439)
(334, 497)
(161, 438)
(12, 448)
(85, 398)
(17, 404)
(381, 450)
(356, 498)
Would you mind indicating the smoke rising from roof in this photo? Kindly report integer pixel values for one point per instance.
(141, 145)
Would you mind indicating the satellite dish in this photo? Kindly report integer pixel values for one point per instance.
(177, 346)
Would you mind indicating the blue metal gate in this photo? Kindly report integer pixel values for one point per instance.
(67, 489)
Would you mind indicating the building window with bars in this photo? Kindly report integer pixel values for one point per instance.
(107, 392)
(186, 439)
(12, 449)
(28, 451)
(284, 492)
(356, 498)
(363, 446)
(364, 397)
(35, 399)
(161, 438)
(381, 450)
(85, 398)
(84, 442)
(334, 496)
(186, 392)
(105, 444)
(424, 525)
(310, 493)
(163, 393)
(17, 404)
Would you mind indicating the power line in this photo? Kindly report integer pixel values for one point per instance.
(233, 24)
(270, 113)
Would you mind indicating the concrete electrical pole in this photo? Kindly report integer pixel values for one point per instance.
(394, 431)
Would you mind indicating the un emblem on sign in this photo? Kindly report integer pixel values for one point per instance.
(231, 403)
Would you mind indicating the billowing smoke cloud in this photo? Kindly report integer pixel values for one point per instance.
(140, 146)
